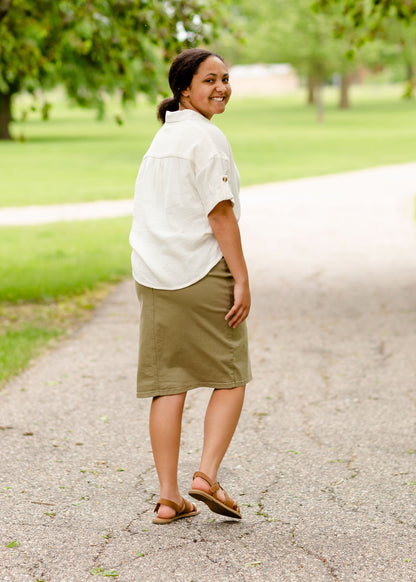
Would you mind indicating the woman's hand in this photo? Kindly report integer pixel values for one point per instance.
(241, 308)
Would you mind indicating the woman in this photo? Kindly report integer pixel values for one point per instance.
(191, 281)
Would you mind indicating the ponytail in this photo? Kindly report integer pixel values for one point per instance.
(169, 104)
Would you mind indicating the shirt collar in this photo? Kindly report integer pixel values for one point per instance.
(183, 115)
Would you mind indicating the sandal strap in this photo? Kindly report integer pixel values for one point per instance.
(230, 502)
(205, 477)
(171, 504)
(213, 487)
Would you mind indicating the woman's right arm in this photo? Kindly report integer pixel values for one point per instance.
(226, 230)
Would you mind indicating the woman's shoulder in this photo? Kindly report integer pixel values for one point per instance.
(194, 126)
(210, 137)
(189, 135)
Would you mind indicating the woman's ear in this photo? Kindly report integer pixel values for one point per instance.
(185, 92)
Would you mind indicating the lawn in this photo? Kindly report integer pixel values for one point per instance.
(43, 263)
(282, 141)
(52, 276)
(74, 158)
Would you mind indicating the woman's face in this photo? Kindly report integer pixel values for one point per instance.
(210, 88)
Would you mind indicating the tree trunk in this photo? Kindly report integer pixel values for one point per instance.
(344, 101)
(5, 115)
(311, 90)
(320, 113)
(410, 84)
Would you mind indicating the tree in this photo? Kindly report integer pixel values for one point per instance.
(281, 31)
(361, 9)
(368, 16)
(401, 39)
(363, 21)
(96, 47)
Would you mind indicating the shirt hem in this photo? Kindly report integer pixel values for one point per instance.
(211, 265)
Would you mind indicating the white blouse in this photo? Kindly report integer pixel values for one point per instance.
(188, 169)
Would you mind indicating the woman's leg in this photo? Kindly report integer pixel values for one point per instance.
(165, 433)
(223, 413)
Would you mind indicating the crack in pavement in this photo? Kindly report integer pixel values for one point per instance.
(331, 569)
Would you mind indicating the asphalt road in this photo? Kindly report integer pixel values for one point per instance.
(323, 463)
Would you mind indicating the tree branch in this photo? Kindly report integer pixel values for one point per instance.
(4, 8)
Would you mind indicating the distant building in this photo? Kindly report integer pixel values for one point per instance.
(263, 79)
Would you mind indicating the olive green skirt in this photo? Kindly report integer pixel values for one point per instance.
(184, 340)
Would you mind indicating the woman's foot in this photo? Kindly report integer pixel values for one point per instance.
(166, 512)
(212, 494)
(203, 485)
(180, 510)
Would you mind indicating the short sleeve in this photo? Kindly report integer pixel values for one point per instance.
(213, 183)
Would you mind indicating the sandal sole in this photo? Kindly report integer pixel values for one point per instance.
(161, 520)
(214, 504)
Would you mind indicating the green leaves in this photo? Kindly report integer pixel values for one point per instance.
(368, 16)
(100, 47)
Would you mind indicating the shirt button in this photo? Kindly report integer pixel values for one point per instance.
(224, 179)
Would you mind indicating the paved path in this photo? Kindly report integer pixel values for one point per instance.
(324, 459)
(26, 215)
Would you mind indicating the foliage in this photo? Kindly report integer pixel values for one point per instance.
(4, 8)
(360, 10)
(325, 41)
(389, 21)
(279, 31)
(401, 39)
(96, 47)
(367, 16)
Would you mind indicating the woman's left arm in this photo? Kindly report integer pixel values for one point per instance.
(225, 228)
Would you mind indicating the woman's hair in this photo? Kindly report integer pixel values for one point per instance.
(181, 73)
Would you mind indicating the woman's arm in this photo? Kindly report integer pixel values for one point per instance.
(225, 228)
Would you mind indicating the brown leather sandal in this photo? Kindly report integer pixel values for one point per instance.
(228, 507)
(186, 509)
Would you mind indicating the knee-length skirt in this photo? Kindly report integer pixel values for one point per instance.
(185, 341)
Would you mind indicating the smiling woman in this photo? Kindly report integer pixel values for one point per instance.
(209, 90)
(202, 76)
(191, 280)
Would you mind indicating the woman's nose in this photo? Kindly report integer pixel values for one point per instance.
(221, 86)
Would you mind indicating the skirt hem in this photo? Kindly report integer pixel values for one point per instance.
(176, 390)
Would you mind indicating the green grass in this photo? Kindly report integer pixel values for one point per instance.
(46, 262)
(18, 347)
(52, 276)
(75, 158)
(282, 140)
